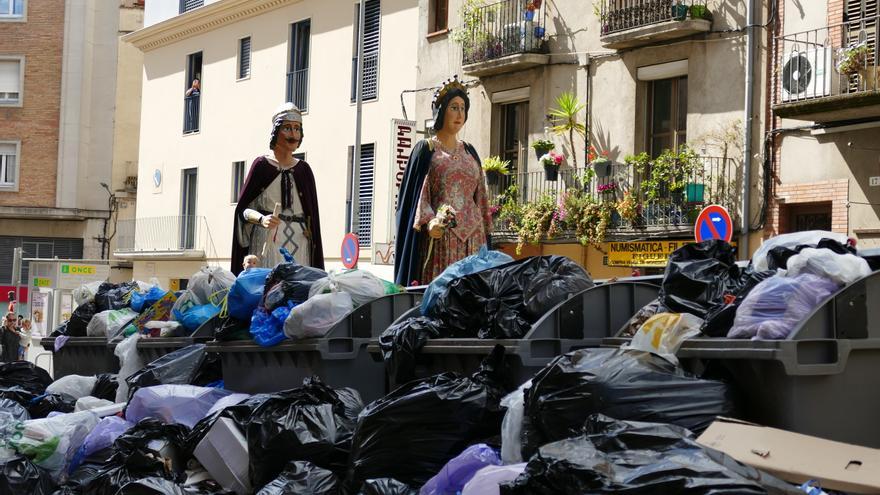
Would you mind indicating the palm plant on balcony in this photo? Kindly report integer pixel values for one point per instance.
(568, 108)
(495, 167)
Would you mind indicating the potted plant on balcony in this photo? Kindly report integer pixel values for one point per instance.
(599, 161)
(495, 167)
(607, 191)
(472, 35)
(538, 220)
(699, 11)
(551, 162)
(541, 147)
(679, 11)
(855, 59)
(629, 208)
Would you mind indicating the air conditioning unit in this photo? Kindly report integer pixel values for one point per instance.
(806, 74)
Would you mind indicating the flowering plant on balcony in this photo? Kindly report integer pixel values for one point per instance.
(852, 59)
(537, 222)
(629, 208)
(606, 188)
(552, 160)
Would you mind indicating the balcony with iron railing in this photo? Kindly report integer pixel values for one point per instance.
(503, 37)
(830, 73)
(298, 88)
(168, 237)
(715, 180)
(631, 23)
(191, 107)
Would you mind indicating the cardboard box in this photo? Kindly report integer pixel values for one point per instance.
(224, 453)
(797, 458)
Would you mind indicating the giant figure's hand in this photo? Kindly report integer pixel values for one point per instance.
(270, 221)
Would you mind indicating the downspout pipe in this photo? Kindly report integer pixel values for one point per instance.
(748, 120)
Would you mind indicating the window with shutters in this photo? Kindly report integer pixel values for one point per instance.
(238, 169)
(244, 58)
(372, 18)
(298, 64)
(362, 193)
(187, 5)
(11, 80)
(439, 16)
(9, 152)
(12, 10)
(667, 115)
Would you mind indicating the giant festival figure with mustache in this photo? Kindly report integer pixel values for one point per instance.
(278, 206)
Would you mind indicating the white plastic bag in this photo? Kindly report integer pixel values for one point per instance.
(52, 442)
(487, 480)
(664, 333)
(74, 386)
(110, 323)
(315, 317)
(180, 404)
(843, 269)
(85, 293)
(511, 427)
(129, 363)
(208, 281)
(361, 285)
(792, 240)
(777, 305)
(88, 403)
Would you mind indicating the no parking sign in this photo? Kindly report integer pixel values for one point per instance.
(350, 251)
(713, 223)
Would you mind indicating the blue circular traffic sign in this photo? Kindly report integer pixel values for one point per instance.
(350, 250)
(713, 223)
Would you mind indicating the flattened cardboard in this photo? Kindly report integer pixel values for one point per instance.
(797, 458)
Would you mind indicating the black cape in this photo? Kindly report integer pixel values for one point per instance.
(407, 251)
(262, 174)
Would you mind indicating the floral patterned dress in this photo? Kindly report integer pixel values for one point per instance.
(455, 179)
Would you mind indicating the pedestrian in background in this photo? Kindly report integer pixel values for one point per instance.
(10, 339)
(25, 343)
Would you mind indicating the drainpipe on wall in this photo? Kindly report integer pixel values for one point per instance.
(747, 120)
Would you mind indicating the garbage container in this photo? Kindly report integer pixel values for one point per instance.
(153, 348)
(81, 356)
(821, 380)
(339, 358)
(583, 320)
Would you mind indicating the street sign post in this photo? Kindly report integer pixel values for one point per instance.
(713, 223)
(350, 250)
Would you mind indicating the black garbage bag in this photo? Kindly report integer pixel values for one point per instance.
(18, 394)
(699, 276)
(192, 365)
(402, 342)
(629, 457)
(113, 296)
(387, 486)
(79, 320)
(233, 329)
(311, 423)
(289, 282)
(59, 330)
(160, 486)
(411, 433)
(148, 449)
(623, 384)
(25, 375)
(503, 302)
(720, 318)
(303, 477)
(19, 476)
(10, 406)
(41, 406)
(105, 387)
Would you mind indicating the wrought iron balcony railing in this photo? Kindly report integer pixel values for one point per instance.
(298, 88)
(504, 28)
(829, 61)
(621, 15)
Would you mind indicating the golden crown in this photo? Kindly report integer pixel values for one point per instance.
(447, 86)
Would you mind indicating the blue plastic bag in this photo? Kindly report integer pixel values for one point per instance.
(475, 263)
(267, 329)
(100, 438)
(458, 471)
(139, 301)
(246, 292)
(194, 317)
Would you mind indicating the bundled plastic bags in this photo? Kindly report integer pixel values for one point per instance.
(664, 333)
(625, 457)
(401, 343)
(303, 477)
(86, 293)
(46, 404)
(129, 363)
(77, 325)
(177, 404)
(289, 282)
(10, 409)
(761, 259)
(460, 469)
(629, 385)
(192, 365)
(102, 437)
(720, 318)
(114, 296)
(777, 305)
(196, 316)
(315, 317)
(110, 323)
(843, 269)
(511, 427)
(411, 433)
(246, 292)
(487, 481)
(698, 276)
(18, 475)
(25, 375)
(503, 302)
(472, 264)
(209, 282)
(52, 442)
(105, 387)
(361, 285)
(267, 329)
(154, 485)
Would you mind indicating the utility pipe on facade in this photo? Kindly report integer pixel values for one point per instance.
(359, 86)
(747, 141)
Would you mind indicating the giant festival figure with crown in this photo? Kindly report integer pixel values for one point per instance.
(278, 206)
(443, 213)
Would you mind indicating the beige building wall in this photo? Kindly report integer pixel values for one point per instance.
(235, 121)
